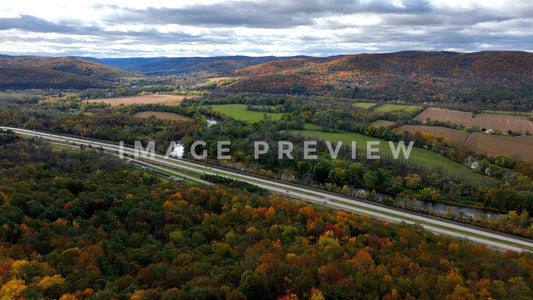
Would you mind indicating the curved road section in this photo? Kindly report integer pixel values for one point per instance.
(441, 226)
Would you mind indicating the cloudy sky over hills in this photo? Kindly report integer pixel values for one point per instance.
(261, 27)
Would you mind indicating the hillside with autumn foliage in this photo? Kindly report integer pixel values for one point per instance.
(76, 224)
(442, 77)
(33, 72)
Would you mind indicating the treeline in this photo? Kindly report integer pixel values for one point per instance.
(75, 224)
(252, 188)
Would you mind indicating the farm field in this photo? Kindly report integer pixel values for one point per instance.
(383, 123)
(502, 122)
(365, 105)
(145, 99)
(162, 115)
(519, 147)
(453, 135)
(419, 156)
(397, 107)
(239, 112)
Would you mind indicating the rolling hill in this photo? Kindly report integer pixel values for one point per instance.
(501, 78)
(27, 72)
(496, 79)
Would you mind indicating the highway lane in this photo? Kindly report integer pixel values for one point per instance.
(437, 225)
(157, 167)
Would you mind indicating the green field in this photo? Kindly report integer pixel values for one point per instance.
(412, 109)
(508, 112)
(216, 80)
(239, 112)
(422, 157)
(365, 105)
(309, 126)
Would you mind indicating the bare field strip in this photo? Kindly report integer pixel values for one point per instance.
(145, 99)
(492, 121)
(162, 115)
(383, 123)
(453, 135)
(519, 147)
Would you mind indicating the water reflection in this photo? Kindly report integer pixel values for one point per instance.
(211, 122)
(178, 150)
(435, 208)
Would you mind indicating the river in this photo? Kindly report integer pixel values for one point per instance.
(433, 207)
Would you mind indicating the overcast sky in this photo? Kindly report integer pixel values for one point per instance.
(131, 28)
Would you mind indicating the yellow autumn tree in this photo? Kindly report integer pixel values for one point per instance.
(137, 295)
(18, 265)
(12, 289)
(68, 297)
(49, 281)
(316, 294)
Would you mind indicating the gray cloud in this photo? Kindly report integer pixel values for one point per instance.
(34, 24)
(312, 27)
(263, 14)
(31, 23)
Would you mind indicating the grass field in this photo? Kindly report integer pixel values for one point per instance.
(502, 122)
(145, 99)
(396, 107)
(365, 105)
(508, 112)
(309, 126)
(239, 112)
(422, 157)
(383, 123)
(162, 115)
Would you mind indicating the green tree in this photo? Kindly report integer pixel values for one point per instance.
(254, 285)
(321, 170)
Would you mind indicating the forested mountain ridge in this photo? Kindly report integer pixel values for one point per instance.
(501, 79)
(29, 72)
(161, 66)
(488, 77)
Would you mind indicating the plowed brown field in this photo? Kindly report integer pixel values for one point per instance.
(145, 99)
(487, 121)
(453, 135)
(519, 147)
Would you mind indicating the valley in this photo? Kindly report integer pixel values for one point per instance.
(310, 174)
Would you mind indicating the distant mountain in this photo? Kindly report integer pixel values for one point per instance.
(218, 66)
(490, 77)
(27, 72)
